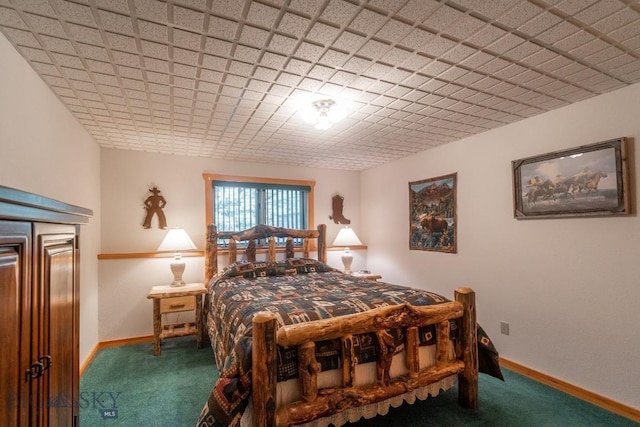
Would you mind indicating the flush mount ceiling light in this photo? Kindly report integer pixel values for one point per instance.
(322, 114)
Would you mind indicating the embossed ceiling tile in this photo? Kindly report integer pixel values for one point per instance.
(283, 44)
(297, 66)
(368, 22)
(323, 34)
(273, 60)
(490, 9)
(310, 52)
(590, 48)
(435, 68)
(394, 30)
(85, 34)
(217, 47)
(156, 50)
(68, 60)
(418, 39)
(558, 32)
(443, 18)
(266, 74)
(520, 14)
(21, 38)
(574, 40)
(38, 55)
(572, 7)
(629, 35)
(151, 31)
(540, 24)
(262, 15)
(188, 19)
(294, 25)
(465, 27)
(115, 22)
(458, 54)
(55, 44)
(152, 10)
(73, 12)
(438, 46)
(253, 36)
(156, 65)
(123, 43)
(416, 62)
(486, 35)
(339, 12)
(599, 11)
(39, 6)
(505, 44)
(41, 24)
(223, 28)
(230, 8)
(334, 58)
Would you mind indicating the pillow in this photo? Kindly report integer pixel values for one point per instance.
(302, 266)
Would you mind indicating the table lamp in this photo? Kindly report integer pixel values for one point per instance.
(177, 240)
(347, 237)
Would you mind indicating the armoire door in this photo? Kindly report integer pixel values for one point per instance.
(57, 323)
(15, 322)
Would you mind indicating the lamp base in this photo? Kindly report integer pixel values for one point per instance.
(347, 259)
(177, 268)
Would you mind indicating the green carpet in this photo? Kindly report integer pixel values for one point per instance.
(170, 390)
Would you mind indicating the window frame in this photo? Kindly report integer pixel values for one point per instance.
(209, 178)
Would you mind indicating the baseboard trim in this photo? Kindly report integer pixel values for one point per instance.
(112, 343)
(575, 391)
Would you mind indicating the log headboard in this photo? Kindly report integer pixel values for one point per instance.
(261, 232)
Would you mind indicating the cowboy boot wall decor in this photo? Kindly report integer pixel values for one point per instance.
(337, 203)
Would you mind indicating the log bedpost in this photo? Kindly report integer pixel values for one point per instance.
(263, 369)
(211, 253)
(322, 243)
(467, 349)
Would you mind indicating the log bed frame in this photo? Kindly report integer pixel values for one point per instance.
(317, 403)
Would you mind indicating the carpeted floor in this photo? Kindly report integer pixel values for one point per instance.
(128, 386)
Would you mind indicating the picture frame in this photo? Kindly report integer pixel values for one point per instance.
(432, 214)
(590, 180)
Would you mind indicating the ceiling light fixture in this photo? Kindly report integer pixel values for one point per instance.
(322, 114)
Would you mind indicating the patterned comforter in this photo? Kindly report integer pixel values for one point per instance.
(297, 290)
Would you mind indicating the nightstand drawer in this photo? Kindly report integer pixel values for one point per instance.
(169, 305)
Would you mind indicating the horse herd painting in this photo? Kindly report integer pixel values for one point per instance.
(588, 180)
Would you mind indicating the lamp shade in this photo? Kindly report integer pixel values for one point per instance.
(346, 237)
(176, 240)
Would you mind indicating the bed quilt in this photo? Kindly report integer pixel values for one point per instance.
(298, 290)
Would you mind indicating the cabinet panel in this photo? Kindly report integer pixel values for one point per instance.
(15, 250)
(57, 336)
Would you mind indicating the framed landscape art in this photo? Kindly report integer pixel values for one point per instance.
(432, 214)
(589, 180)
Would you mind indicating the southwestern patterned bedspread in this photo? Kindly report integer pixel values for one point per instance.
(297, 290)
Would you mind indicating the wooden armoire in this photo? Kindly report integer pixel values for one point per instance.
(39, 310)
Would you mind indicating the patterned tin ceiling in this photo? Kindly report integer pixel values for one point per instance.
(226, 79)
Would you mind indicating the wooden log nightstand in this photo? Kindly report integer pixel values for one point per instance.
(172, 299)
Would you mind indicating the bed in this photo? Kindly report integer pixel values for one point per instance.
(298, 342)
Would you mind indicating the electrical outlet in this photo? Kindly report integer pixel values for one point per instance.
(504, 328)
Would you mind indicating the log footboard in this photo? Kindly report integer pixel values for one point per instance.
(317, 403)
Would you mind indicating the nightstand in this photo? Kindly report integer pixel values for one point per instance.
(174, 299)
(368, 276)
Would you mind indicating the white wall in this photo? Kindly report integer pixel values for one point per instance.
(568, 287)
(126, 178)
(44, 150)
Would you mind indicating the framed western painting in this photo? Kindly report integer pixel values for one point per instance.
(432, 214)
(585, 181)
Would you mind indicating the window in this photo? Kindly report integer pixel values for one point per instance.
(236, 203)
